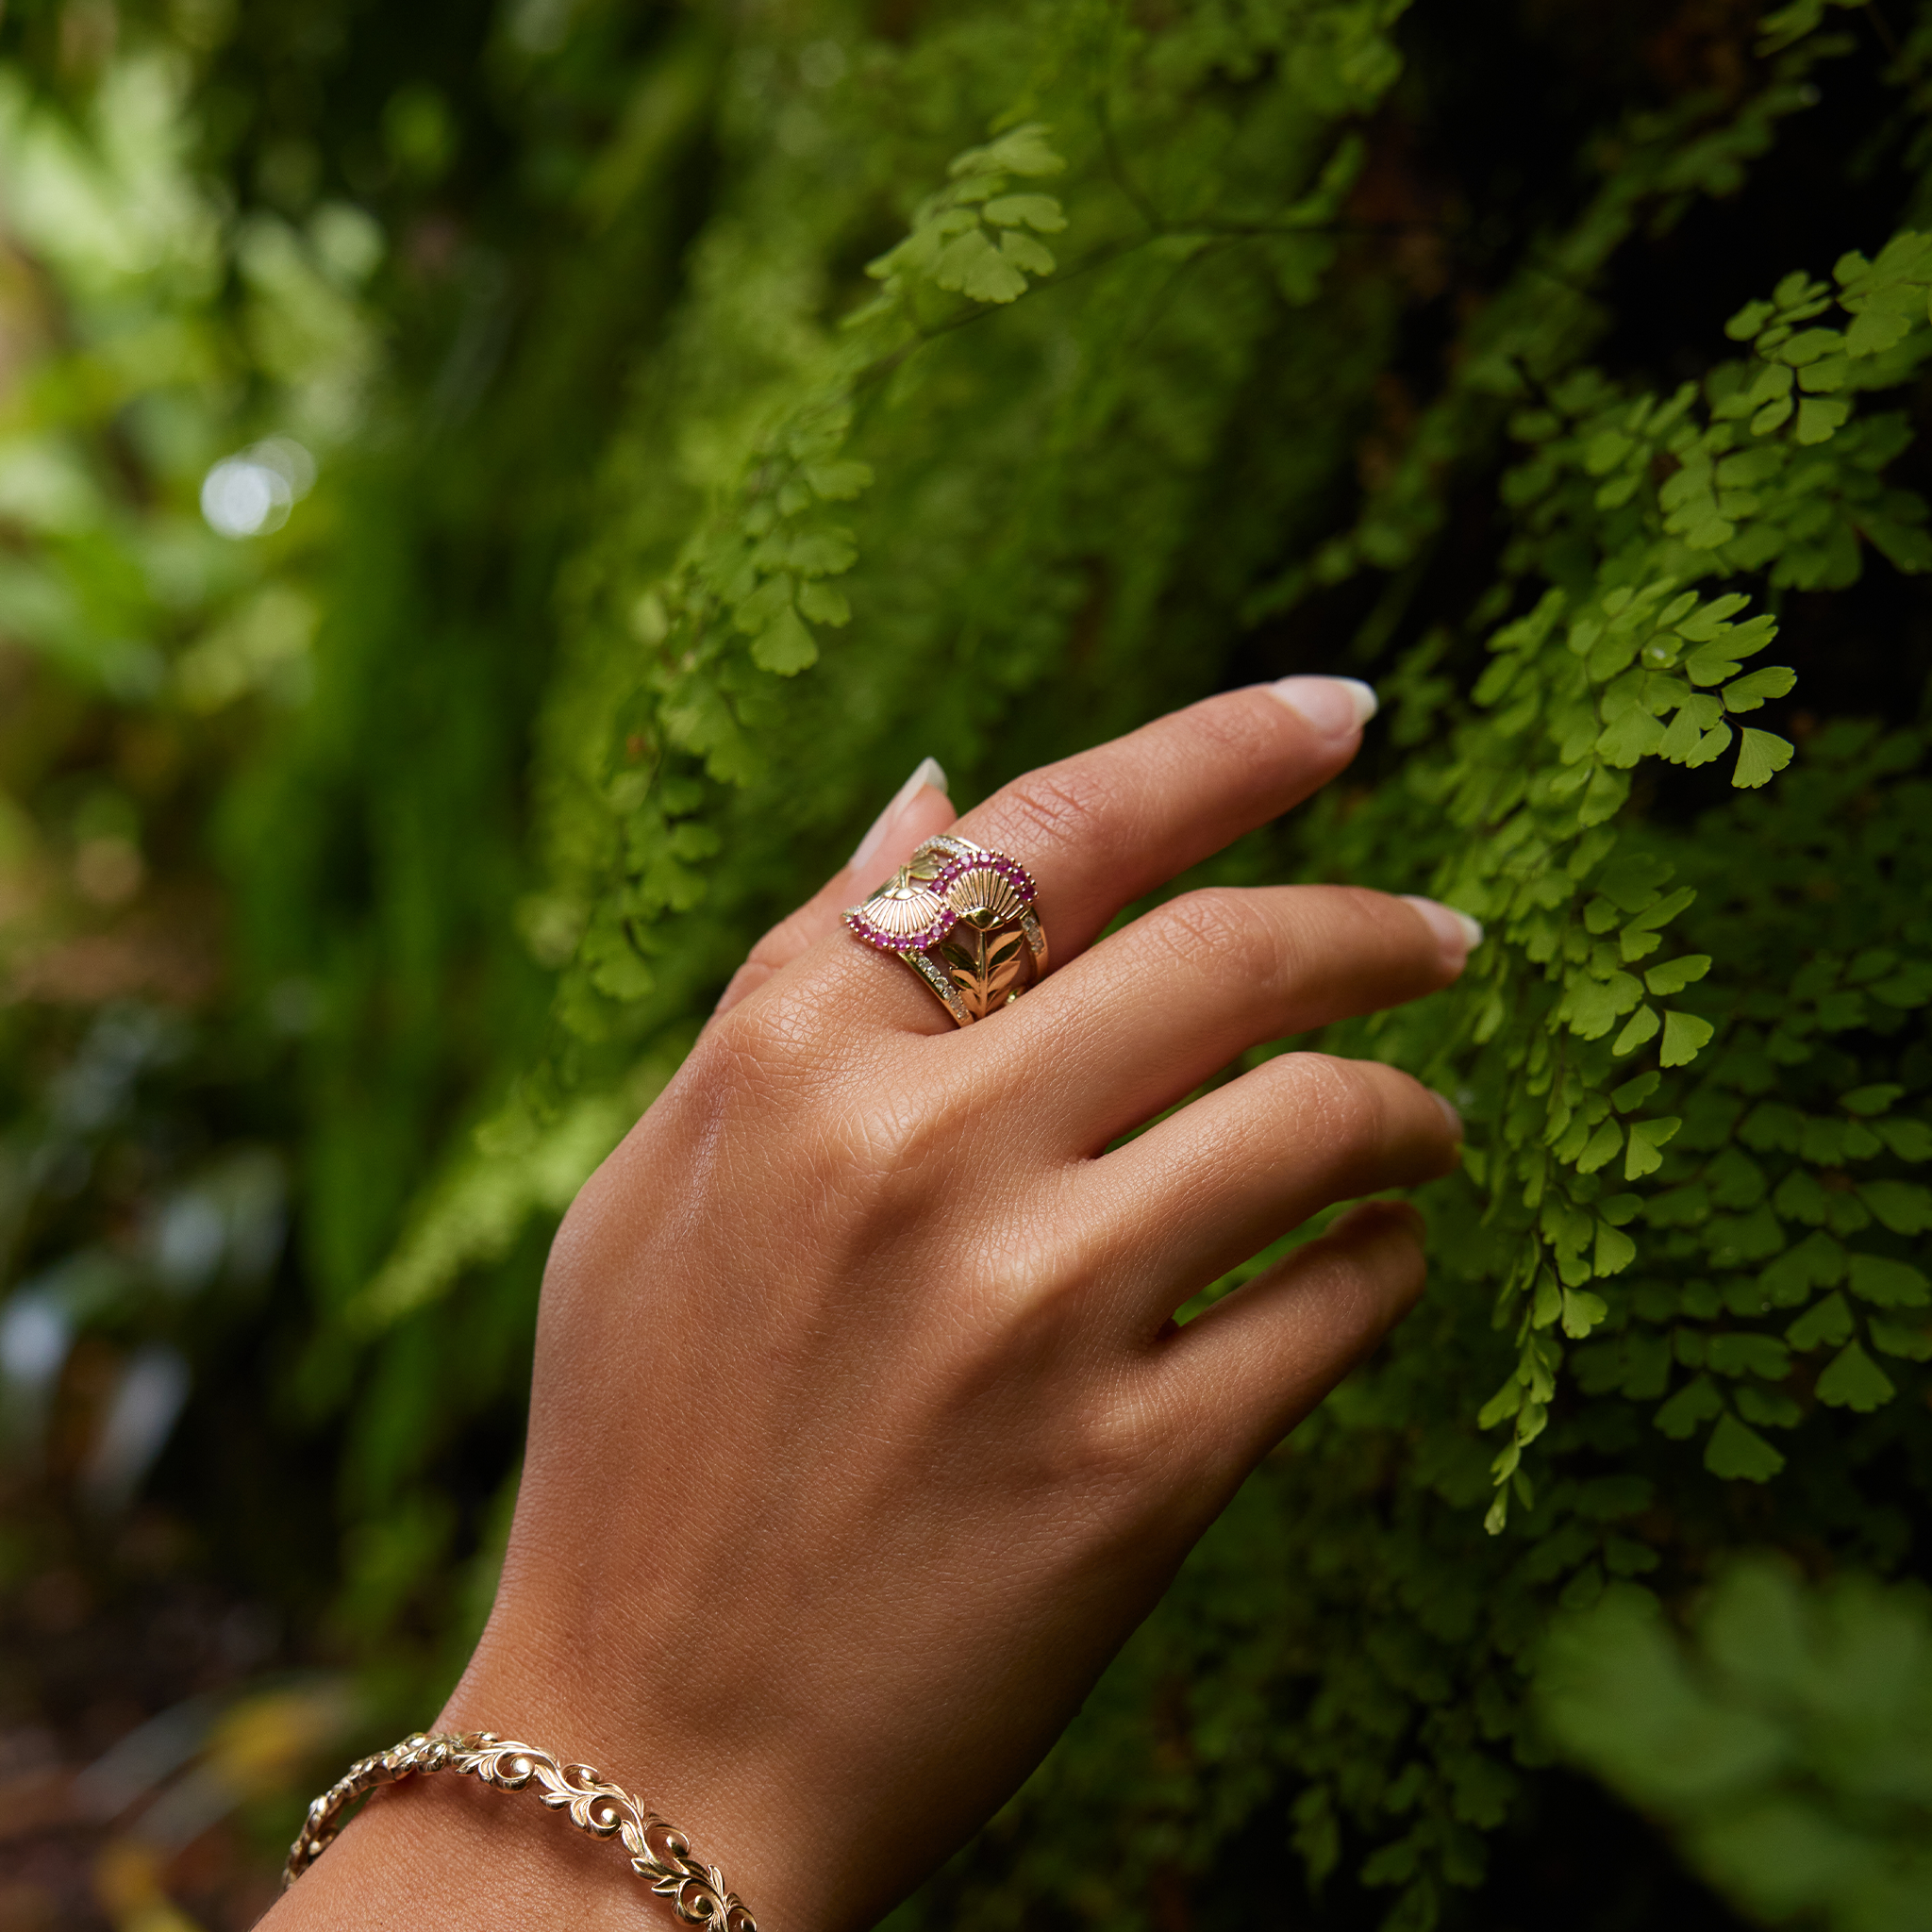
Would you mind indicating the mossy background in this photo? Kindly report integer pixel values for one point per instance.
(714, 410)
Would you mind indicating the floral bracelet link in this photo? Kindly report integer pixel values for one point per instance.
(658, 1850)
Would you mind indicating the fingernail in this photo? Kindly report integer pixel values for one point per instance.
(1449, 1112)
(1336, 707)
(929, 773)
(1460, 935)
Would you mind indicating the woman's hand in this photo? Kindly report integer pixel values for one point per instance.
(861, 1435)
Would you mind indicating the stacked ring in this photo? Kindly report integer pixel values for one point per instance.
(962, 918)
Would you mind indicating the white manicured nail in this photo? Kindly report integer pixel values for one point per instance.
(1336, 707)
(931, 773)
(1460, 935)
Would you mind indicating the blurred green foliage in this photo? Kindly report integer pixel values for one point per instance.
(493, 499)
(1790, 1743)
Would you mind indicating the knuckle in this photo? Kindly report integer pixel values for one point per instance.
(1128, 1439)
(725, 1074)
(862, 1159)
(763, 1070)
(1223, 923)
(1345, 1099)
(1096, 1450)
(755, 1042)
(1067, 803)
(1122, 1436)
(886, 1138)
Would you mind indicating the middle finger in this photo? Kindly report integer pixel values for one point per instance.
(1167, 1002)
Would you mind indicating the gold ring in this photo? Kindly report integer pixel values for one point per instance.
(962, 918)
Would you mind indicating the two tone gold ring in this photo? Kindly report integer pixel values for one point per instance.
(962, 918)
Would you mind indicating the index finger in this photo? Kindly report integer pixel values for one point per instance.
(1099, 830)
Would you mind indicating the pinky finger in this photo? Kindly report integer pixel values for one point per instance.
(1250, 1368)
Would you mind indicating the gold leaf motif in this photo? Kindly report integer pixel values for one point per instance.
(983, 966)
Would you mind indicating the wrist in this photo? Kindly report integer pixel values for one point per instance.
(421, 1850)
(716, 1786)
(534, 1814)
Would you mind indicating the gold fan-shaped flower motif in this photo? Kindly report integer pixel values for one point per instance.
(907, 912)
(984, 896)
(962, 918)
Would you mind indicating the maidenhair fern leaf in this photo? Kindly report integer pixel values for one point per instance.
(1737, 1453)
(1853, 1380)
(1686, 1035)
(1761, 755)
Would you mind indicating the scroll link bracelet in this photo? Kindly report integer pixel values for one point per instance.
(658, 1850)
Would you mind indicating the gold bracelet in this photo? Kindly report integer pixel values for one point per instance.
(657, 1852)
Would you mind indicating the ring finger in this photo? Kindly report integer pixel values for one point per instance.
(1216, 1182)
